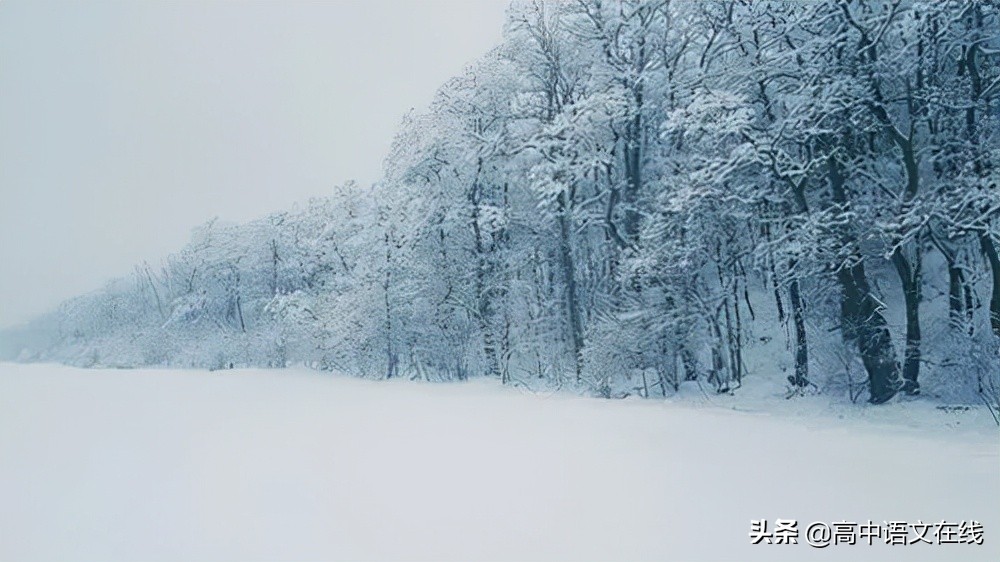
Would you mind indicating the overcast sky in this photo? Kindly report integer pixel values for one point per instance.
(125, 124)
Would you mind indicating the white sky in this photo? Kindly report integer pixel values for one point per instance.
(125, 124)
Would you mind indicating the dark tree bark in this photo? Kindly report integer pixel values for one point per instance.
(737, 339)
(990, 251)
(861, 314)
(484, 268)
(956, 283)
(690, 364)
(392, 359)
(910, 278)
(909, 272)
(568, 267)
(633, 176)
(801, 377)
(864, 324)
(969, 64)
(239, 311)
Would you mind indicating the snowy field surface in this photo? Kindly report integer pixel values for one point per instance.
(299, 465)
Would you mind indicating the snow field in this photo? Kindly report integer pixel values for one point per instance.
(298, 465)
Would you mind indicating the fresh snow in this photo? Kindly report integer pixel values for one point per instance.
(301, 465)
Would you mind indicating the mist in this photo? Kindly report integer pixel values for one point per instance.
(125, 125)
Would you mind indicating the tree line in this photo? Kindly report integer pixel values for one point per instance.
(627, 195)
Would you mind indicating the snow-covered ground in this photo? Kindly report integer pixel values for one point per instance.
(298, 465)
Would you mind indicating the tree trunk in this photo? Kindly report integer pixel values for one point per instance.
(975, 92)
(484, 308)
(909, 277)
(956, 284)
(777, 293)
(738, 339)
(569, 277)
(990, 251)
(239, 310)
(801, 377)
(864, 324)
(633, 164)
(502, 295)
(690, 363)
(862, 318)
(392, 360)
(719, 374)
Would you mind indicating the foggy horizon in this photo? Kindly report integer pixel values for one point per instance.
(126, 126)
